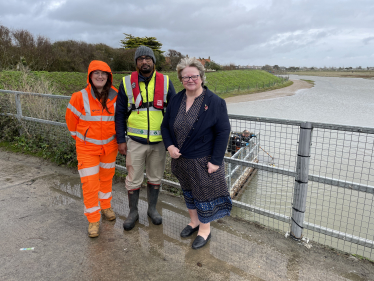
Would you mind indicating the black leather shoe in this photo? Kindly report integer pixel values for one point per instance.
(200, 242)
(188, 230)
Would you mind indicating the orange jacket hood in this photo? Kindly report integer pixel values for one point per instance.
(99, 65)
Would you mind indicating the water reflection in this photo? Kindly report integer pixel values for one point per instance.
(346, 101)
(231, 254)
(346, 156)
(64, 190)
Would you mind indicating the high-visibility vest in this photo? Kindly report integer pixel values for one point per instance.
(89, 124)
(145, 105)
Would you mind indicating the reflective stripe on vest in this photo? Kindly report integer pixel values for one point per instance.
(86, 102)
(128, 89)
(104, 118)
(74, 110)
(98, 142)
(87, 109)
(143, 132)
(165, 88)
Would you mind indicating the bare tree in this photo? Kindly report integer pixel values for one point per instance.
(174, 58)
(6, 48)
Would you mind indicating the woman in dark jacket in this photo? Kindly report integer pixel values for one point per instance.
(195, 131)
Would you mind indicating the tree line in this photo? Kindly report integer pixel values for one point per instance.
(38, 53)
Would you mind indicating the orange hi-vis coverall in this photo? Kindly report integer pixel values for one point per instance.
(93, 129)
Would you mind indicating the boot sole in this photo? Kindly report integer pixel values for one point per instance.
(93, 235)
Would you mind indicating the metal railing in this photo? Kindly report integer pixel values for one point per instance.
(313, 179)
(237, 175)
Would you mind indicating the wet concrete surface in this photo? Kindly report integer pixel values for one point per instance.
(41, 208)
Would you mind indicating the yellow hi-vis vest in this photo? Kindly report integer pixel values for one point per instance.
(145, 122)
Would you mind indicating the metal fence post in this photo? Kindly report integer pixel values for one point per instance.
(19, 110)
(301, 180)
(19, 107)
(229, 181)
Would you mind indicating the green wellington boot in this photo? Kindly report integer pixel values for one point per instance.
(152, 196)
(133, 216)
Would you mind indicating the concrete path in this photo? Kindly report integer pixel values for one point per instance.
(41, 209)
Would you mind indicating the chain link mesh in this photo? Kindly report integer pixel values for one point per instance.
(340, 188)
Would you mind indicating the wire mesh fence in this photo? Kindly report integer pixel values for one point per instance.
(339, 195)
(339, 191)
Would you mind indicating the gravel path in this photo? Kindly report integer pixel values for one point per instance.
(287, 91)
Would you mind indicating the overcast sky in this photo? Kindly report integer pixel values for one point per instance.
(244, 32)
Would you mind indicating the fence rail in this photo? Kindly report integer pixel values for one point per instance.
(325, 191)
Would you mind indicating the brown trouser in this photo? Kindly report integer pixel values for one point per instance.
(152, 157)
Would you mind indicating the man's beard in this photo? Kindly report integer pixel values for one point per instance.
(146, 71)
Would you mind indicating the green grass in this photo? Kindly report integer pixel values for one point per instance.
(309, 81)
(40, 139)
(235, 93)
(362, 258)
(220, 82)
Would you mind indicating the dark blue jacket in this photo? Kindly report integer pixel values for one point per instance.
(210, 132)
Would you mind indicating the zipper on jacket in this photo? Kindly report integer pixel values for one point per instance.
(85, 135)
(146, 91)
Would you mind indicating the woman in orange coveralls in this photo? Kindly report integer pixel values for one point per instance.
(90, 120)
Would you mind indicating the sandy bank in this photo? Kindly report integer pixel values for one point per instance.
(287, 91)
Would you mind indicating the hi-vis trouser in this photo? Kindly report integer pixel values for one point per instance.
(96, 172)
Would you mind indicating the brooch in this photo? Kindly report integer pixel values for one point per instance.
(206, 107)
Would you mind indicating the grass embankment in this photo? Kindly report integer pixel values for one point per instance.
(346, 74)
(223, 83)
(52, 142)
(309, 81)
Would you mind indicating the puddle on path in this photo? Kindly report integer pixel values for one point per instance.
(231, 254)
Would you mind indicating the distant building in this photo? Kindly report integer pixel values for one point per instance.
(255, 67)
(203, 61)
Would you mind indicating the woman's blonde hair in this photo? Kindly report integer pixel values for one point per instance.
(191, 62)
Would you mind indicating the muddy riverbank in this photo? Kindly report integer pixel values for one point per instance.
(283, 92)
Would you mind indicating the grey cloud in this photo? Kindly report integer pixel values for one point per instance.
(368, 39)
(240, 31)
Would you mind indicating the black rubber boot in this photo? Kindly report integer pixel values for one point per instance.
(133, 216)
(152, 196)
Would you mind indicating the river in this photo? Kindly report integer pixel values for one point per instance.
(345, 156)
(346, 101)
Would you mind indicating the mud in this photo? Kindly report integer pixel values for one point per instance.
(287, 91)
(42, 209)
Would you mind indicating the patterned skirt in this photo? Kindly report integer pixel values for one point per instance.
(207, 193)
